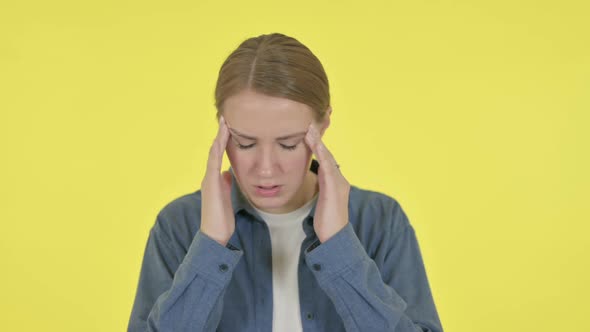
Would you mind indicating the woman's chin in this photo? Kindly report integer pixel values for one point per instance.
(268, 203)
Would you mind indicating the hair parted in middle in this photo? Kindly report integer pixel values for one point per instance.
(276, 65)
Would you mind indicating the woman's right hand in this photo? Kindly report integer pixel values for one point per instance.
(217, 216)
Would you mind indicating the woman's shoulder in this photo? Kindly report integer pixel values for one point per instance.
(180, 218)
(362, 198)
(371, 208)
(181, 205)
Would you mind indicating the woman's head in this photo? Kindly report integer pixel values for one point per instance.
(275, 65)
(270, 87)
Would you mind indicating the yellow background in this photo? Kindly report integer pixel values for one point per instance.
(473, 114)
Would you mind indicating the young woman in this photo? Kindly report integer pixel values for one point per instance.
(280, 241)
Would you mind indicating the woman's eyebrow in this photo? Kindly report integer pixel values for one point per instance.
(237, 133)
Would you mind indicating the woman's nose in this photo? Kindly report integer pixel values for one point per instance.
(266, 163)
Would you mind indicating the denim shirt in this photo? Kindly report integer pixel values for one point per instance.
(369, 276)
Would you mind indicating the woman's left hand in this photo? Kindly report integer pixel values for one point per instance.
(331, 213)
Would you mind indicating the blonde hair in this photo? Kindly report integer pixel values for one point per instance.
(276, 65)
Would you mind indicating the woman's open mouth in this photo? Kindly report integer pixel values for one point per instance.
(269, 191)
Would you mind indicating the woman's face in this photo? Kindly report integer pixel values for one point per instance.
(267, 150)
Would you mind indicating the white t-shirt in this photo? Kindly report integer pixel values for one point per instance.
(286, 234)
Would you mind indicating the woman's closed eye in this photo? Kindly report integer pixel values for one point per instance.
(244, 147)
(284, 146)
(289, 147)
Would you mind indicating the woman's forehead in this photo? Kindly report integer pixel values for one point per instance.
(272, 134)
(248, 104)
(256, 116)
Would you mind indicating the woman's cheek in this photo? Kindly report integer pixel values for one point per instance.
(299, 159)
(240, 160)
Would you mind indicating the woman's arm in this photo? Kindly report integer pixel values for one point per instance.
(395, 297)
(181, 294)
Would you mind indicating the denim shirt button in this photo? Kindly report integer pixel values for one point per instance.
(223, 267)
(317, 267)
(309, 316)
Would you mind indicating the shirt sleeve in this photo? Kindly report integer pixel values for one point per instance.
(178, 293)
(357, 288)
